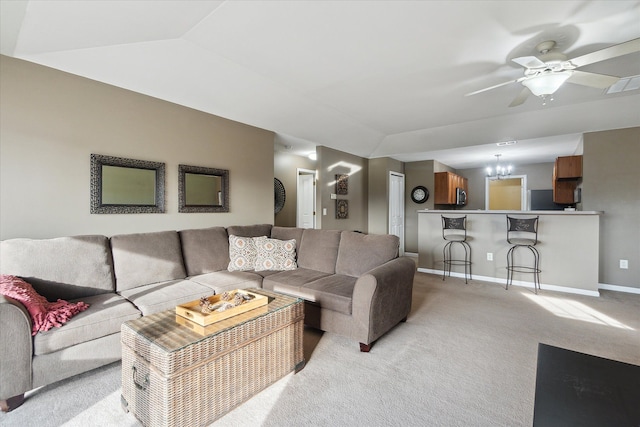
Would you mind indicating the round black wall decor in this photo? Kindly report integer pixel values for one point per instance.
(279, 195)
(420, 194)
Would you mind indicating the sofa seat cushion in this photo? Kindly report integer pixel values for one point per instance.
(333, 292)
(266, 273)
(291, 280)
(165, 295)
(104, 316)
(221, 281)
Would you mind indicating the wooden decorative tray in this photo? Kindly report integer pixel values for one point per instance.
(191, 310)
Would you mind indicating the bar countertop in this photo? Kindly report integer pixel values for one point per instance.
(481, 211)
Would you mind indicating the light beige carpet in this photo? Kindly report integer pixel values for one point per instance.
(465, 357)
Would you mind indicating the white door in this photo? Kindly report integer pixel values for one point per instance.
(306, 199)
(396, 207)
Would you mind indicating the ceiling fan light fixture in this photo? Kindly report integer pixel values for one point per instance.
(546, 83)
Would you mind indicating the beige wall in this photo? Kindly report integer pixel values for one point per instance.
(379, 170)
(330, 163)
(52, 121)
(610, 183)
(286, 167)
(416, 173)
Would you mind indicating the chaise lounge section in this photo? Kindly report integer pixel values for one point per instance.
(352, 284)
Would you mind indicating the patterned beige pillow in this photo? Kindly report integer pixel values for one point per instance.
(242, 253)
(274, 254)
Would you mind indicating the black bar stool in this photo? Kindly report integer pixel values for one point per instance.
(523, 233)
(454, 230)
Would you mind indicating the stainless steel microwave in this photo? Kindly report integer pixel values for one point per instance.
(461, 196)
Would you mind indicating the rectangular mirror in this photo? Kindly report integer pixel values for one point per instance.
(202, 189)
(120, 185)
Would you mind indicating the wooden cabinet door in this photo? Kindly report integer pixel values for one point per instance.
(442, 188)
(445, 184)
(569, 167)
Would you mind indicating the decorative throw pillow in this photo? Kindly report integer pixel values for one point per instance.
(274, 254)
(44, 314)
(242, 253)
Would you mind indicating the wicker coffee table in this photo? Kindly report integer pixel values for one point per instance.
(175, 376)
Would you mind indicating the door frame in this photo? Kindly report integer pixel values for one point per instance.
(524, 205)
(402, 201)
(301, 171)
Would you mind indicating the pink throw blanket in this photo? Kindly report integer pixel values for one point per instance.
(44, 314)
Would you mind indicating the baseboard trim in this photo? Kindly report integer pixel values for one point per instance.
(618, 288)
(543, 286)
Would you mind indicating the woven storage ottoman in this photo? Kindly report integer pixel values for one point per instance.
(175, 376)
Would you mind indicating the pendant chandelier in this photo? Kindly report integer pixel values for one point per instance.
(498, 172)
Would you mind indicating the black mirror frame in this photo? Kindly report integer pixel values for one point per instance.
(183, 207)
(97, 207)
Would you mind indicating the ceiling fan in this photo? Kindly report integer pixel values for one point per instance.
(544, 74)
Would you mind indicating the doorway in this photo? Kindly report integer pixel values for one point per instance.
(396, 207)
(306, 196)
(506, 194)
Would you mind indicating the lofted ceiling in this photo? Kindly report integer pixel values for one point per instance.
(371, 78)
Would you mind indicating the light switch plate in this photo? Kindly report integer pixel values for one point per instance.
(624, 264)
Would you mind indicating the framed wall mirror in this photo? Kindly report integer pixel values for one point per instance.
(123, 186)
(202, 189)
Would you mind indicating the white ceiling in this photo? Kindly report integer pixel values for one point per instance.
(372, 78)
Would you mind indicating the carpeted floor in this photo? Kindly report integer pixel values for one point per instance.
(465, 356)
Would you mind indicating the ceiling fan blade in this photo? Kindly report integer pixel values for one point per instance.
(495, 86)
(529, 62)
(607, 53)
(522, 96)
(600, 81)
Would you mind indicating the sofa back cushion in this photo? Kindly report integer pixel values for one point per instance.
(287, 233)
(249, 230)
(64, 267)
(205, 250)
(319, 250)
(359, 253)
(144, 258)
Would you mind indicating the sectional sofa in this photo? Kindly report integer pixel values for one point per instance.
(353, 284)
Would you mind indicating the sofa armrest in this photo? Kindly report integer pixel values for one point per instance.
(16, 348)
(382, 296)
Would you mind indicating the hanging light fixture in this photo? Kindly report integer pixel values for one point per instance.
(499, 171)
(546, 83)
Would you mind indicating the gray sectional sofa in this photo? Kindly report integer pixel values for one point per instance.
(353, 284)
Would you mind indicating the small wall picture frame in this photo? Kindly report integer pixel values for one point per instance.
(342, 184)
(342, 209)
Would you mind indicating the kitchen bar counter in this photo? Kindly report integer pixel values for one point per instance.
(568, 242)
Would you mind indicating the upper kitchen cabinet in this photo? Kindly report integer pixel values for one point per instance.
(569, 167)
(567, 171)
(446, 185)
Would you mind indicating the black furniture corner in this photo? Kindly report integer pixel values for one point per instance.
(577, 389)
